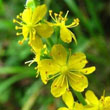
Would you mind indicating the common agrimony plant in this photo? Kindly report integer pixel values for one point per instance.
(55, 58)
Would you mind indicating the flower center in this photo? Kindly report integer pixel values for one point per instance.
(30, 26)
(64, 69)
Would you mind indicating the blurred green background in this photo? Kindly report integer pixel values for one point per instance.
(19, 89)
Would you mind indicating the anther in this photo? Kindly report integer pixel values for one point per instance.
(14, 21)
(20, 42)
(55, 14)
(17, 16)
(50, 11)
(20, 14)
(61, 12)
(16, 27)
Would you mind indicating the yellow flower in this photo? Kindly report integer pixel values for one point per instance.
(70, 70)
(37, 46)
(29, 23)
(69, 101)
(65, 34)
(94, 104)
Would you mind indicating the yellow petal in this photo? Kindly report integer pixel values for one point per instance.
(59, 86)
(36, 44)
(78, 106)
(77, 81)
(88, 70)
(73, 36)
(44, 77)
(90, 107)
(63, 108)
(44, 30)
(77, 61)
(49, 67)
(68, 98)
(25, 31)
(65, 34)
(39, 13)
(50, 24)
(107, 103)
(91, 98)
(59, 54)
(26, 15)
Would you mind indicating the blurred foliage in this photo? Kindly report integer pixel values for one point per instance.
(19, 89)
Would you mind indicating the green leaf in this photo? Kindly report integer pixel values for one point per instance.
(17, 69)
(4, 85)
(31, 95)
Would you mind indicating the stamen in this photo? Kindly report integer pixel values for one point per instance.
(74, 24)
(66, 15)
(56, 15)
(30, 62)
(61, 12)
(54, 76)
(15, 21)
(18, 27)
(50, 13)
(18, 17)
(18, 34)
(20, 14)
(37, 75)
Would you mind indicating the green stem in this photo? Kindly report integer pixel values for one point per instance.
(80, 97)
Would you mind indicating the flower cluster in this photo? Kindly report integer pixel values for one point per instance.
(54, 60)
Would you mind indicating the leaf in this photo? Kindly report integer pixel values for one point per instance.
(31, 95)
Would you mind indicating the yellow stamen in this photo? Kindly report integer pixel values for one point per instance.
(74, 23)
(61, 12)
(66, 15)
(15, 21)
(30, 62)
(54, 76)
(18, 34)
(50, 13)
(18, 27)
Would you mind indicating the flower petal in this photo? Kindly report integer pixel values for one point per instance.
(88, 70)
(49, 67)
(59, 54)
(44, 30)
(91, 98)
(26, 15)
(59, 86)
(73, 36)
(44, 77)
(77, 61)
(63, 108)
(78, 106)
(39, 13)
(68, 99)
(36, 44)
(107, 103)
(65, 34)
(25, 31)
(77, 81)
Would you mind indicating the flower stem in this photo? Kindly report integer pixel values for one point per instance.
(80, 97)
